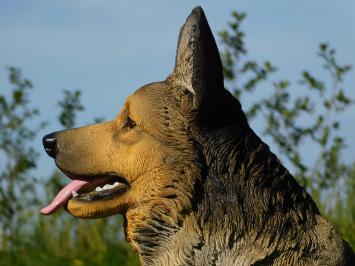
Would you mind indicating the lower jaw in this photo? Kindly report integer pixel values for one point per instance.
(97, 205)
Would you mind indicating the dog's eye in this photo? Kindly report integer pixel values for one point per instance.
(130, 123)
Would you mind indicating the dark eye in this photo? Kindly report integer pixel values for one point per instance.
(130, 123)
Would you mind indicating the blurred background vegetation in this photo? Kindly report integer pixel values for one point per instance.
(293, 114)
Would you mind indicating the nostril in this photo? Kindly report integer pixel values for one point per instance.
(50, 144)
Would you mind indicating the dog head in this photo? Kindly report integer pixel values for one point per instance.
(150, 154)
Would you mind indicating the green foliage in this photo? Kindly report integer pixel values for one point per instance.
(339, 207)
(70, 105)
(65, 240)
(243, 75)
(320, 104)
(295, 117)
(17, 156)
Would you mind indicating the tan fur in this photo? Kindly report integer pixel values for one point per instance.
(142, 155)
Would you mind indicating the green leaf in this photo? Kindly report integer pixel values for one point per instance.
(342, 98)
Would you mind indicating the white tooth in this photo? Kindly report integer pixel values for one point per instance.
(98, 189)
(74, 194)
(116, 184)
(107, 186)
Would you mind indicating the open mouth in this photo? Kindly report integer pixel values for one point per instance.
(88, 189)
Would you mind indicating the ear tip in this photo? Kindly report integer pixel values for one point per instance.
(197, 12)
(197, 19)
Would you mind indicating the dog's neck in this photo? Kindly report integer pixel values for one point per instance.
(245, 189)
(152, 226)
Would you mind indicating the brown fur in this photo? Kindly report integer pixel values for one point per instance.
(203, 188)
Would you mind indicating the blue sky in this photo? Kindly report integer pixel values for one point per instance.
(109, 48)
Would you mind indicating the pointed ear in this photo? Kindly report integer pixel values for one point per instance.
(198, 66)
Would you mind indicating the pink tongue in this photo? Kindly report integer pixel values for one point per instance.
(63, 196)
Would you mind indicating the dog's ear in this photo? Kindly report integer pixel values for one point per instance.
(198, 66)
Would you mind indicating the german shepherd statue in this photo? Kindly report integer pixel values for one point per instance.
(194, 183)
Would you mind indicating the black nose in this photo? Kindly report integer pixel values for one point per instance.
(50, 144)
